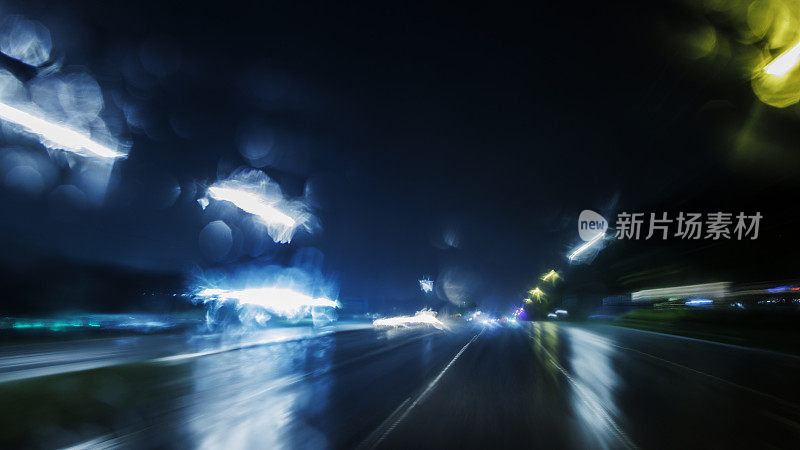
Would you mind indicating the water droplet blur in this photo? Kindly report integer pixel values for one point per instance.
(216, 240)
(25, 40)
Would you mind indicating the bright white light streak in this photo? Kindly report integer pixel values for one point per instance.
(424, 317)
(699, 301)
(281, 301)
(585, 246)
(57, 136)
(781, 65)
(713, 290)
(426, 285)
(252, 203)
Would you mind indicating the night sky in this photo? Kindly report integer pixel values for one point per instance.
(407, 124)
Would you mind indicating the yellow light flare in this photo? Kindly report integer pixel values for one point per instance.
(552, 275)
(784, 63)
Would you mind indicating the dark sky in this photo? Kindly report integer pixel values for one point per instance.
(500, 122)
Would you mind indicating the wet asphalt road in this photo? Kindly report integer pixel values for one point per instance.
(568, 386)
(542, 385)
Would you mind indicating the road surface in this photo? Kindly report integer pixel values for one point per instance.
(542, 385)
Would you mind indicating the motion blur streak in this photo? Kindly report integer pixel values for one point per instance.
(255, 193)
(713, 290)
(252, 204)
(593, 380)
(282, 301)
(423, 317)
(781, 65)
(585, 246)
(53, 135)
(698, 302)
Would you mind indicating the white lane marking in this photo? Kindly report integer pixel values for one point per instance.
(244, 346)
(400, 413)
(722, 344)
(102, 442)
(713, 377)
(593, 404)
(37, 372)
(112, 441)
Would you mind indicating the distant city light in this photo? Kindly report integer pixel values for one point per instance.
(561, 311)
(426, 285)
(781, 65)
(53, 325)
(779, 289)
(552, 315)
(698, 302)
(54, 135)
(282, 301)
(423, 317)
(585, 246)
(491, 322)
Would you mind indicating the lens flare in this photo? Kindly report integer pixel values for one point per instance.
(423, 317)
(781, 65)
(253, 204)
(255, 193)
(585, 246)
(281, 301)
(426, 285)
(56, 136)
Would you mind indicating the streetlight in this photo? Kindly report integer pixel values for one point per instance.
(552, 275)
(426, 285)
(585, 246)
